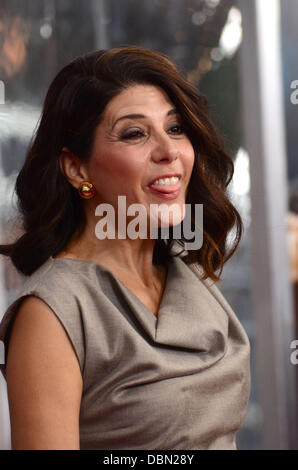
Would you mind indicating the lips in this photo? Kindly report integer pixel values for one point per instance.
(165, 191)
(171, 194)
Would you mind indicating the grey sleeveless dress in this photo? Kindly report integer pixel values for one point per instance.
(180, 380)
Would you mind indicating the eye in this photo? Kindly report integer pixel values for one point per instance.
(134, 134)
(177, 129)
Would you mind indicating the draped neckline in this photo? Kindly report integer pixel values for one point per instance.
(189, 315)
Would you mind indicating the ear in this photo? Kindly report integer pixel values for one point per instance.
(72, 167)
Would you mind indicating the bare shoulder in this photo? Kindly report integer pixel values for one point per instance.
(44, 381)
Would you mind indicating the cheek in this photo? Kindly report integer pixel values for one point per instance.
(189, 158)
(115, 167)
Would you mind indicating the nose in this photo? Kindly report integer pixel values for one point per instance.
(164, 149)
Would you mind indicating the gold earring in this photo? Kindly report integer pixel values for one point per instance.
(86, 190)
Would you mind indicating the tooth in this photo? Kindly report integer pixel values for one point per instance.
(167, 181)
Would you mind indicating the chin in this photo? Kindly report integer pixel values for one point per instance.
(167, 215)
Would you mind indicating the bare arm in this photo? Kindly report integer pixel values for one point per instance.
(44, 381)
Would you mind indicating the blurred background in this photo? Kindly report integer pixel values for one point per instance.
(242, 56)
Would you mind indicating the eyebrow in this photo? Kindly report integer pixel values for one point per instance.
(142, 116)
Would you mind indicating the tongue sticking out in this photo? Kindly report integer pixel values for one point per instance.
(165, 188)
(169, 187)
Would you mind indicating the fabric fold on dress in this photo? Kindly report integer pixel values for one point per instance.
(171, 327)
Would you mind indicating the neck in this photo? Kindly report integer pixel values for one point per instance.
(132, 258)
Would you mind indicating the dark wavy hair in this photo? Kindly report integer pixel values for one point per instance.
(51, 209)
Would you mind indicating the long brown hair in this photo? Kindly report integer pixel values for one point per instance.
(51, 209)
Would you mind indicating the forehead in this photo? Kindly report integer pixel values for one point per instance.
(136, 98)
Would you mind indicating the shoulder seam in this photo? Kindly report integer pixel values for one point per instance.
(32, 287)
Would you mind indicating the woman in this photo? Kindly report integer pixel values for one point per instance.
(123, 343)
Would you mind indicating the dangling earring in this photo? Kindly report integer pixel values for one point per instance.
(86, 190)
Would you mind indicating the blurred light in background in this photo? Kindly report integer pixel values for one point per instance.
(217, 54)
(198, 18)
(46, 31)
(231, 35)
(15, 36)
(212, 3)
(241, 178)
(18, 119)
(2, 92)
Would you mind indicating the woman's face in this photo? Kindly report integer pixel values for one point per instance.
(139, 140)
